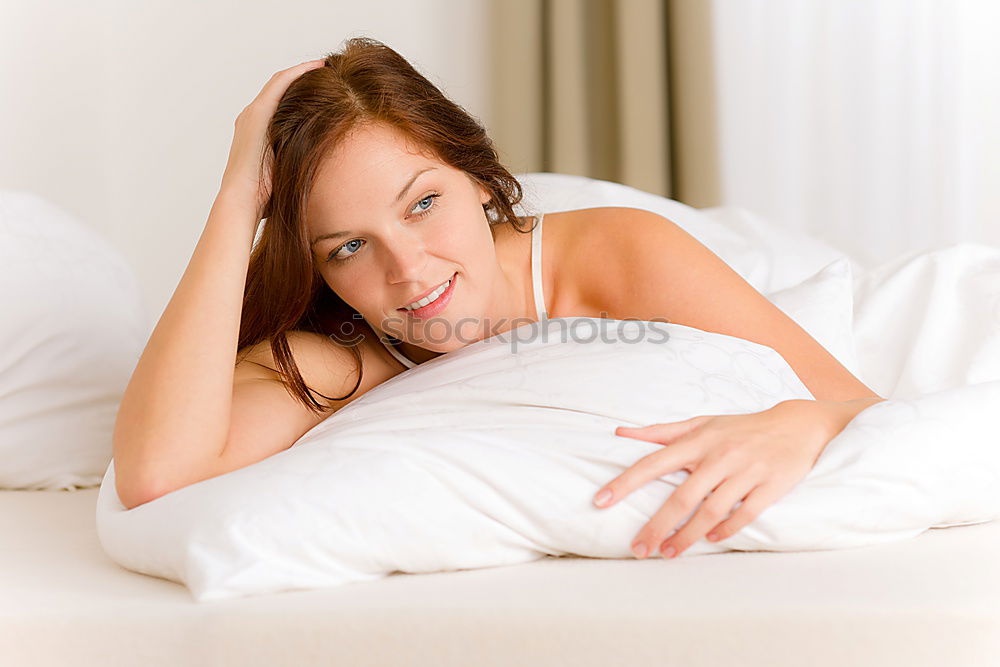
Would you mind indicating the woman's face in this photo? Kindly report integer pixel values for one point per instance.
(398, 238)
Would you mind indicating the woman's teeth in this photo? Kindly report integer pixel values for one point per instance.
(429, 298)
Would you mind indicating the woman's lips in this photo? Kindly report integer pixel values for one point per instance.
(435, 306)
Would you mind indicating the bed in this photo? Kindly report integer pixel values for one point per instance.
(931, 599)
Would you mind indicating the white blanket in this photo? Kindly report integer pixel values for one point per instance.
(491, 455)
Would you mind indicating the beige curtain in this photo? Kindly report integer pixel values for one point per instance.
(581, 87)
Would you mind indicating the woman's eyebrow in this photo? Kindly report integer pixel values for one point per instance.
(323, 237)
(402, 193)
(406, 187)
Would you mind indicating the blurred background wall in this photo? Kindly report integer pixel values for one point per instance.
(122, 112)
(869, 123)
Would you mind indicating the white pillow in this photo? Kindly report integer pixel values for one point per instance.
(783, 257)
(823, 305)
(491, 455)
(71, 333)
(415, 474)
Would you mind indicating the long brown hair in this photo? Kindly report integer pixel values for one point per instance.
(366, 82)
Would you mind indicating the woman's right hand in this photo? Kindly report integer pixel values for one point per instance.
(245, 176)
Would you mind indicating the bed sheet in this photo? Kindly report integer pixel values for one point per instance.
(930, 600)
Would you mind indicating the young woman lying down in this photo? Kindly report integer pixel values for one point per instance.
(391, 239)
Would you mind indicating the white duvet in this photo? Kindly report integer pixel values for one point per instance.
(491, 455)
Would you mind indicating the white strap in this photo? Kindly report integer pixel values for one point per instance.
(536, 270)
(396, 353)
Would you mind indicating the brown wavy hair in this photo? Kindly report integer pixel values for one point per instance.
(365, 82)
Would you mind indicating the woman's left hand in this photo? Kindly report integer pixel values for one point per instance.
(755, 458)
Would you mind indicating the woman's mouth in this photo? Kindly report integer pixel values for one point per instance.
(434, 302)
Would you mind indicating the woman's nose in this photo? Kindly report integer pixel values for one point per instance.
(406, 262)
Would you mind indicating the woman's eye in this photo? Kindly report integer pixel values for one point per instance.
(430, 203)
(333, 255)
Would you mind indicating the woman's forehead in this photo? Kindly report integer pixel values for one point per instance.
(373, 143)
(375, 155)
(335, 202)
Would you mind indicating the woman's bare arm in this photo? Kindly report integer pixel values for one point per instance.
(265, 417)
(175, 414)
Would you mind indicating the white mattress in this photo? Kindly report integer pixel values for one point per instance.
(930, 600)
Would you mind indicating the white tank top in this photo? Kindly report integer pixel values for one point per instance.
(536, 283)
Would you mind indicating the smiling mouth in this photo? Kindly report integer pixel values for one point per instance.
(441, 295)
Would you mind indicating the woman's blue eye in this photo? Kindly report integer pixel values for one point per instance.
(429, 198)
(332, 254)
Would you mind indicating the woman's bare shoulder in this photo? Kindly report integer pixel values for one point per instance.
(610, 237)
(571, 249)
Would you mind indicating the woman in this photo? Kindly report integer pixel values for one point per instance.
(391, 239)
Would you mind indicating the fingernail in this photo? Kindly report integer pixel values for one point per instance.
(669, 552)
(603, 497)
(712, 537)
(640, 550)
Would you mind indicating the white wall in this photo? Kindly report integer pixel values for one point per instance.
(122, 112)
(870, 123)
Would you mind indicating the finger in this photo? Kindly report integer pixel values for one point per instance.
(661, 433)
(713, 510)
(652, 466)
(684, 499)
(278, 83)
(293, 72)
(309, 64)
(759, 499)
